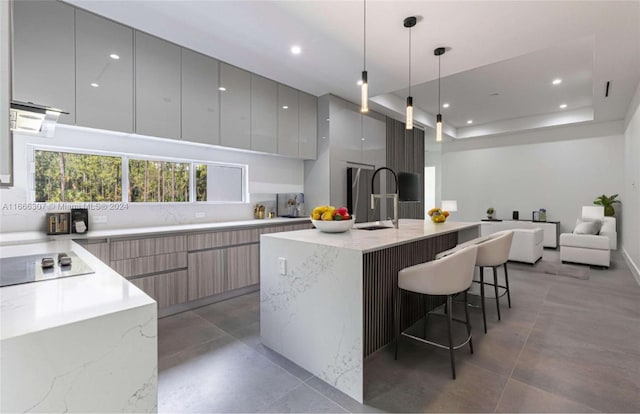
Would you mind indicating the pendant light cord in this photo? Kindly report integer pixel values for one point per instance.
(439, 83)
(364, 37)
(409, 61)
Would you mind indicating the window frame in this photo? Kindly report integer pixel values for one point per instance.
(124, 159)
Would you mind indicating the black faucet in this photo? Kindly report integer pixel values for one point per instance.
(393, 195)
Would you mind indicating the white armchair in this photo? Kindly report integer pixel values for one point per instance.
(593, 249)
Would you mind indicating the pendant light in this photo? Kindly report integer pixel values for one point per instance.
(439, 52)
(364, 87)
(409, 22)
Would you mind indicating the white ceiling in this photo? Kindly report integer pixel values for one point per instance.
(514, 48)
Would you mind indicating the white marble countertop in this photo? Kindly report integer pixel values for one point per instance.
(35, 236)
(46, 304)
(371, 240)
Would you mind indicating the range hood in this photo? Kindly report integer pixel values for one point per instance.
(33, 118)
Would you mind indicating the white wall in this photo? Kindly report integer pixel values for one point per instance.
(268, 174)
(434, 159)
(553, 169)
(631, 193)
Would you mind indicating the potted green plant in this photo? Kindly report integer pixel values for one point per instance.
(490, 212)
(607, 203)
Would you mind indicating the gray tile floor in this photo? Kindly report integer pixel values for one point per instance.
(567, 345)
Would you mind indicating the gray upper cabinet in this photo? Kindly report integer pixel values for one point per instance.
(308, 126)
(264, 114)
(44, 55)
(200, 102)
(104, 73)
(288, 122)
(157, 87)
(235, 107)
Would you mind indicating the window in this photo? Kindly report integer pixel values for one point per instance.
(65, 176)
(158, 181)
(70, 177)
(219, 183)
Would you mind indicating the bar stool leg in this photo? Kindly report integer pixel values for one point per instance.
(506, 279)
(484, 315)
(449, 323)
(495, 288)
(426, 316)
(466, 315)
(397, 308)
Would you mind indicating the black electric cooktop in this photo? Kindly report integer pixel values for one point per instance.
(26, 269)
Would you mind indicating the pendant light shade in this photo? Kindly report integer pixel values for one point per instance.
(409, 121)
(364, 88)
(439, 52)
(409, 22)
(364, 93)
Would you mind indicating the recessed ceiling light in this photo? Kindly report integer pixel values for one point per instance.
(296, 50)
(95, 85)
(222, 88)
(362, 138)
(359, 82)
(470, 121)
(563, 106)
(114, 56)
(445, 105)
(285, 107)
(557, 81)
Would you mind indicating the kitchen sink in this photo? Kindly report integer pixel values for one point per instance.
(374, 227)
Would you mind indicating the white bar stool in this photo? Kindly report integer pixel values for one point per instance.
(494, 253)
(448, 276)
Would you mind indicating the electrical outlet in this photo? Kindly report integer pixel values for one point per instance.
(99, 219)
(200, 214)
(282, 265)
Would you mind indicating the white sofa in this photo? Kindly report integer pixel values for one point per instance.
(591, 249)
(526, 245)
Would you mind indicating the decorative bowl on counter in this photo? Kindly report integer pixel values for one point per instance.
(333, 226)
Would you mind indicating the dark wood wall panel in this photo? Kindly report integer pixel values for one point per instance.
(405, 152)
(380, 270)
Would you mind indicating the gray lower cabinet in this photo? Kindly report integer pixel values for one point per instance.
(157, 88)
(264, 114)
(148, 246)
(288, 122)
(307, 145)
(200, 101)
(235, 107)
(206, 273)
(150, 264)
(44, 55)
(104, 73)
(243, 266)
(167, 289)
(183, 267)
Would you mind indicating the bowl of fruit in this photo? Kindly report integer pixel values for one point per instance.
(438, 215)
(332, 220)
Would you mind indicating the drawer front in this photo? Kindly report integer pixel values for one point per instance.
(129, 249)
(172, 288)
(147, 285)
(150, 264)
(203, 241)
(243, 266)
(206, 273)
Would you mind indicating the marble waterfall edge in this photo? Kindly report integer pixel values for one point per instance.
(312, 315)
(106, 364)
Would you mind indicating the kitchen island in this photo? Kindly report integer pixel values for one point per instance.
(77, 344)
(326, 298)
